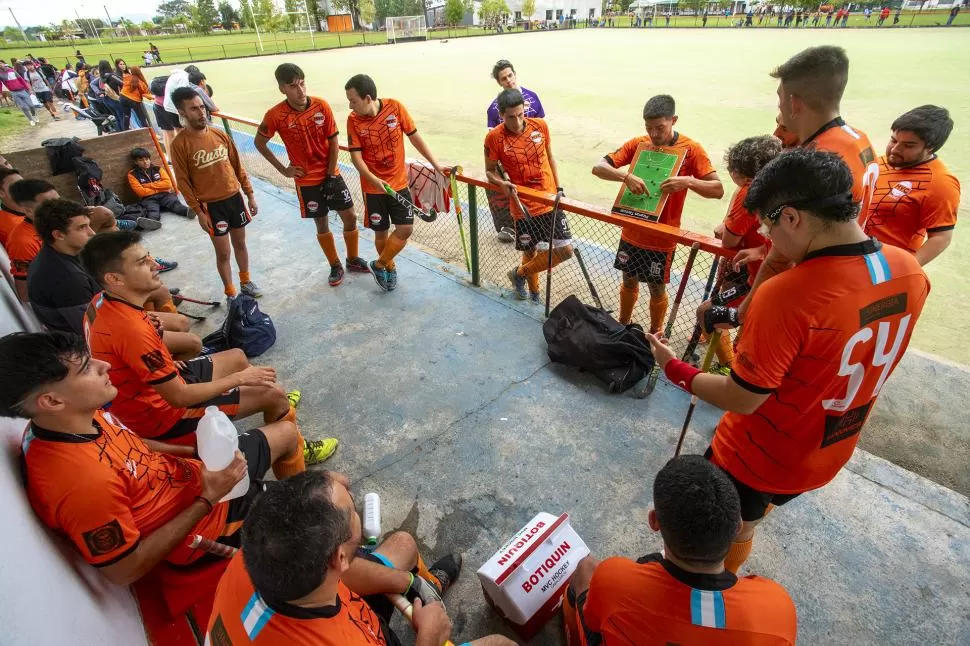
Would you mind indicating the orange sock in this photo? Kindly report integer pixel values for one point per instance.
(294, 464)
(229, 290)
(244, 277)
(329, 248)
(379, 244)
(422, 571)
(737, 555)
(725, 350)
(351, 240)
(533, 280)
(540, 262)
(628, 299)
(392, 247)
(658, 310)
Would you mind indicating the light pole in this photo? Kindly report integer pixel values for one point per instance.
(256, 25)
(22, 32)
(90, 24)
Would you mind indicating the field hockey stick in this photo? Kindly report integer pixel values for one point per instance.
(455, 171)
(552, 236)
(695, 336)
(515, 193)
(409, 205)
(655, 373)
(705, 366)
(405, 608)
(178, 299)
(589, 281)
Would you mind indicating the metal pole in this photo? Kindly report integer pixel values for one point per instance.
(309, 25)
(473, 233)
(256, 25)
(22, 32)
(225, 125)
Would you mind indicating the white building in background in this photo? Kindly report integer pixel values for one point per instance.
(545, 10)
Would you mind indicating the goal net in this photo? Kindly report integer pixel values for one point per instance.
(402, 29)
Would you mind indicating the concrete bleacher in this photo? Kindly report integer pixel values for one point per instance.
(446, 404)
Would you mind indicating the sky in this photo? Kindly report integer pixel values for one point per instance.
(44, 12)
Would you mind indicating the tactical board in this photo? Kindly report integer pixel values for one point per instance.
(653, 166)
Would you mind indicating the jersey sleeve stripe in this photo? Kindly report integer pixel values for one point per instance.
(949, 227)
(117, 558)
(161, 380)
(255, 616)
(411, 133)
(747, 385)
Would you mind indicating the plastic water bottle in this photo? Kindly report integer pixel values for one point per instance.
(372, 519)
(218, 442)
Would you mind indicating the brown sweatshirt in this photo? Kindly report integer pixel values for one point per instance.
(207, 167)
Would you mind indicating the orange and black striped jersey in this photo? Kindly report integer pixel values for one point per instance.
(525, 158)
(107, 491)
(652, 602)
(22, 246)
(380, 141)
(820, 340)
(9, 220)
(307, 135)
(696, 164)
(241, 616)
(744, 224)
(911, 202)
(855, 149)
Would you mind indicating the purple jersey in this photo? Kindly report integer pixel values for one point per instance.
(533, 108)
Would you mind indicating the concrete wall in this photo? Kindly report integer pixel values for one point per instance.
(50, 597)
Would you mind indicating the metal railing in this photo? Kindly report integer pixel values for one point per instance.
(595, 231)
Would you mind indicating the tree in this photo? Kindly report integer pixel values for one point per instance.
(491, 11)
(268, 15)
(227, 15)
(204, 15)
(245, 15)
(528, 9)
(148, 26)
(455, 12)
(12, 34)
(367, 12)
(180, 9)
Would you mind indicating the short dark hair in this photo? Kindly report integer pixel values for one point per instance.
(27, 190)
(7, 172)
(139, 153)
(287, 73)
(499, 66)
(509, 99)
(812, 180)
(32, 360)
(748, 156)
(290, 535)
(931, 123)
(662, 105)
(188, 69)
(196, 77)
(818, 76)
(104, 67)
(698, 509)
(363, 85)
(102, 253)
(55, 215)
(183, 94)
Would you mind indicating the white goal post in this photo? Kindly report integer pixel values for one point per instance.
(402, 29)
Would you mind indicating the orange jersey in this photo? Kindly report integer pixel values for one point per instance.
(105, 492)
(855, 149)
(380, 141)
(22, 246)
(821, 339)
(207, 167)
(696, 164)
(525, 158)
(240, 616)
(910, 202)
(121, 334)
(744, 224)
(654, 602)
(307, 134)
(9, 220)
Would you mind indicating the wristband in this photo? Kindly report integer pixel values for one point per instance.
(206, 501)
(681, 374)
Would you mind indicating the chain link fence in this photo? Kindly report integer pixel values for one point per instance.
(595, 236)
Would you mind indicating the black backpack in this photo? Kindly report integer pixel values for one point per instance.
(157, 86)
(94, 193)
(61, 152)
(245, 327)
(592, 340)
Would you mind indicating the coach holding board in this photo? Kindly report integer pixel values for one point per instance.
(498, 203)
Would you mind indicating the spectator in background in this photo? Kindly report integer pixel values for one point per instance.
(80, 57)
(954, 12)
(167, 117)
(148, 58)
(134, 91)
(19, 90)
(68, 82)
(153, 186)
(83, 83)
(110, 86)
(121, 68)
(198, 83)
(155, 53)
(899, 10)
(49, 71)
(42, 90)
(845, 17)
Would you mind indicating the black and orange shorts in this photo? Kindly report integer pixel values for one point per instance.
(317, 200)
(647, 265)
(199, 371)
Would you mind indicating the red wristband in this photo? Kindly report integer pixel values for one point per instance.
(681, 374)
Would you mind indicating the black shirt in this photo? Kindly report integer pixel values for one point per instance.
(59, 290)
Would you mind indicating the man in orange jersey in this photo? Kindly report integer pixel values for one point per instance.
(375, 135)
(10, 212)
(915, 203)
(683, 595)
(820, 340)
(643, 256)
(810, 88)
(209, 176)
(298, 578)
(123, 502)
(161, 399)
(523, 147)
(309, 132)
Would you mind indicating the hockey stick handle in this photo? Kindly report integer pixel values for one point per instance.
(708, 290)
(705, 366)
(197, 301)
(552, 237)
(405, 608)
(515, 193)
(409, 205)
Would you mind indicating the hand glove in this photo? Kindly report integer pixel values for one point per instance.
(730, 293)
(720, 315)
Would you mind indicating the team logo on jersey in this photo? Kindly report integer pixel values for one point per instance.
(153, 360)
(623, 257)
(312, 206)
(391, 121)
(375, 218)
(319, 119)
(536, 137)
(204, 159)
(901, 189)
(222, 227)
(105, 539)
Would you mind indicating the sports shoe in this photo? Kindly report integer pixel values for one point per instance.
(505, 234)
(358, 265)
(148, 224)
(446, 570)
(380, 275)
(336, 275)
(33, 123)
(165, 265)
(294, 397)
(535, 298)
(392, 280)
(518, 284)
(720, 370)
(249, 288)
(317, 451)
(126, 225)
